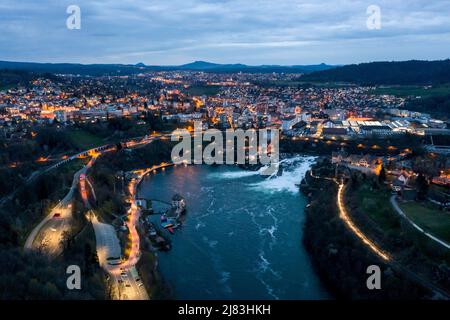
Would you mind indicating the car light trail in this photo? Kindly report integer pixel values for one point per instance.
(346, 218)
(134, 212)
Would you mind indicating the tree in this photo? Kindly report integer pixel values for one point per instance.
(422, 187)
(34, 288)
(87, 259)
(51, 291)
(382, 175)
(66, 239)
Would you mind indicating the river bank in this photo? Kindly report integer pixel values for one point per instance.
(340, 258)
(237, 215)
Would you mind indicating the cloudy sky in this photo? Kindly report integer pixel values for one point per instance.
(169, 32)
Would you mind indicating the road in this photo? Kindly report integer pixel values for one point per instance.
(404, 216)
(125, 274)
(352, 226)
(47, 235)
(126, 279)
(438, 292)
(134, 211)
(345, 217)
(131, 143)
(130, 286)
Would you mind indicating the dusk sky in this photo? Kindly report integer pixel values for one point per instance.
(170, 32)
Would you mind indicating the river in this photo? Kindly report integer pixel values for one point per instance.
(242, 235)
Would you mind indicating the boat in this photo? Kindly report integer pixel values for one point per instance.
(166, 224)
(176, 225)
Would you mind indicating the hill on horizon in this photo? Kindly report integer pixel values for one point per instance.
(127, 69)
(412, 72)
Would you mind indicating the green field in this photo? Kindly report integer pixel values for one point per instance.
(84, 140)
(375, 203)
(429, 218)
(406, 91)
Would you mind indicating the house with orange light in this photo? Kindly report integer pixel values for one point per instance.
(367, 163)
(443, 180)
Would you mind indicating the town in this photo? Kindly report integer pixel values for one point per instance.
(168, 100)
(221, 100)
(107, 135)
(195, 155)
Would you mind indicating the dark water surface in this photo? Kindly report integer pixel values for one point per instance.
(242, 237)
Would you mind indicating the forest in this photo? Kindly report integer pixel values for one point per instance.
(339, 257)
(413, 72)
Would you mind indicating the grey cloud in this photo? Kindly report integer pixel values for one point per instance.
(254, 32)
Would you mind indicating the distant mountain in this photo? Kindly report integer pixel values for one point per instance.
(73, 68)
(203, 65)
(117, 69)
(214, 67)
(412, 72)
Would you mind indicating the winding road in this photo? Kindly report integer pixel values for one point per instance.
(47, 236)
(124, 273)
(126, 278)
(438, 292)
(421, 230)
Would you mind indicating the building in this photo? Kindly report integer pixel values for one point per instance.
(382, 130)
(332, 132)
(288, 122)
(439, 144)
(443, 180)
(368, 164)
(297, 129)
(399, 183)
(141, 203)
(178, 205)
